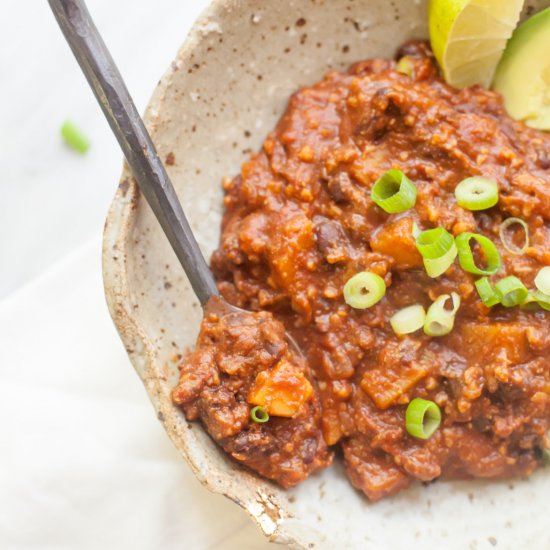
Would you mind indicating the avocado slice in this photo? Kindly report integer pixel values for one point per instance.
(523, 74)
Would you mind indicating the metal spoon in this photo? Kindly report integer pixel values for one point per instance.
(106, 82)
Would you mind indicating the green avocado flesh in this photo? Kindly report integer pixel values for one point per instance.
(523, 74)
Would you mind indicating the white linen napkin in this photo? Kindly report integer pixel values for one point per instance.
(84, 463)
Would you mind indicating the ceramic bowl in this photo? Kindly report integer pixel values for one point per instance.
(220, 97)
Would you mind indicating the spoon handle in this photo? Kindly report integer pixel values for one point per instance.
(119, 109)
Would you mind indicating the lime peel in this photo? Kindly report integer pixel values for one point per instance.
(468, 37)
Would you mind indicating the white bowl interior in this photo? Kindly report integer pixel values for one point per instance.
(221, 96)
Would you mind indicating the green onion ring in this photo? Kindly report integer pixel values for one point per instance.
(364, 290)
(74, 137)
(542, 299)
(433, 243)
(408, 320)
(259, 414)
(510, 246)
(486, 292)
(405, 66)
(542, 280)
(438, 250)
(530, 303)
(440, 321)
(435, 268)
(394, 192)
(466, 257)
(511, 291)
(477, 193)
(422, 418)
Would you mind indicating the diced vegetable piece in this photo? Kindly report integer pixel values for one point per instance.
(481, 339)
(281, 391)
(396, 240)
(385, 387)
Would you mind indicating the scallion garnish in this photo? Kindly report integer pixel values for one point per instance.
(511, 291)
(408, 320)
(364, 290)
(405, 66)
(507, 243)
(542, 299)
(542, 280)
(259, 414)
(438, 250)
(466, 255)
(477, 193)
(422, 418)
(74, 138)
(394, 192)
(486, 292)
(440, 320)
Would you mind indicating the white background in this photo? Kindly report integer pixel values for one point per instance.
(83, 461)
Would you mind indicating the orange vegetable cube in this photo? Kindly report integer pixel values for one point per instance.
(281, 391)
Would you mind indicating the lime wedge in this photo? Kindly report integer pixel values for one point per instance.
(468, 37)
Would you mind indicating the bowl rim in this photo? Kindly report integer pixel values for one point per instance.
(261, 506)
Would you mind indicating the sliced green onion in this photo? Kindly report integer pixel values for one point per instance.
(435, 268)
(511, 291)
(433, 243)
(440, 320)
(422, 418)
(408, 320)
(466, 256)
(438, 250)
(405, 66)
(507, 243)
(364, 290)
(542, 299)
(416, 230)
(530, 302)
(394, 192)
(542, 280)
(74, 138)
(259, 414)
(486, 292)
(477, 193)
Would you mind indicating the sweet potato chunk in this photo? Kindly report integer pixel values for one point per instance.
(384, 386)
(483, 340)
(281, 391)
(396, 240)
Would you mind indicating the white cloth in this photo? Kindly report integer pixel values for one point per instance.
(84, 463)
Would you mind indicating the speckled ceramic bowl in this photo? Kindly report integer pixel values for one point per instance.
(220, 97)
